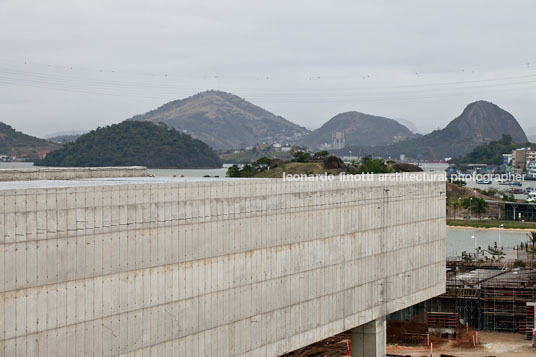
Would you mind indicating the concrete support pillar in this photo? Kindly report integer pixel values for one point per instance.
(369, 340)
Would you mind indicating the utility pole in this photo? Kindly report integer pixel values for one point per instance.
(470, 207)
(500, 229)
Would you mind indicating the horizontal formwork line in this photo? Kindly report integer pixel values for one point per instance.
(280, 197)
(262, 248)
(144, 269)
(346, 235)
(169, 224)
(234, 321)
(321, 187)
(200, 220)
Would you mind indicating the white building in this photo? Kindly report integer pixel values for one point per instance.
(531, 170)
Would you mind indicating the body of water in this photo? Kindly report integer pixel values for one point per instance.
(459, 240)
(16, 165)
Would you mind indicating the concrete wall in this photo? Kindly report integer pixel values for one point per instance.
(69, 173)
(212, 268)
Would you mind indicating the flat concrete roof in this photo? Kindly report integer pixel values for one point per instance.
(35, 184)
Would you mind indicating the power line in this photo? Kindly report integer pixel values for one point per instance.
(147, 90)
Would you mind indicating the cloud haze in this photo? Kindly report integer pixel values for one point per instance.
(70, 65)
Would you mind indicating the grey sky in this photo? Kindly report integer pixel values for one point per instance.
(70, 65)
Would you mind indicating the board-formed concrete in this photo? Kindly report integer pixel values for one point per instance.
(210, 268)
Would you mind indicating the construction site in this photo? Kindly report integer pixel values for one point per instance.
(487, 310)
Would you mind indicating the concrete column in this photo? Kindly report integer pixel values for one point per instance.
(369, 340)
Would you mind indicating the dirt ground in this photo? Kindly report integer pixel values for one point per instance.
(491, 344)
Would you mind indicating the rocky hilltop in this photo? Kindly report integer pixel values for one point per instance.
(224, 121)
(359, 129)
(480, 123)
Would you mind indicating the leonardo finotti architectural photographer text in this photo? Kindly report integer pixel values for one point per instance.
(366, 177)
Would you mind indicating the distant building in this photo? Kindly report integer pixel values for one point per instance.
(519, 160)
(402, 157)
(286, 148)
(507, 159)
(338, 140)
(531, 156)
(531, 171)
(276, 147)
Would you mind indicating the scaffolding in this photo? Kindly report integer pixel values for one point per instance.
(491, 299)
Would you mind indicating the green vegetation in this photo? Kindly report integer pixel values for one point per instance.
(475, 204)
(479, 120)
(491, 154)
(301, 156)
(492, 224)
(247, 156)
(134, 143)
(249, 170)
(370, 165)
(297, 168)
(459, 202)
(320, 163)
(15, 143)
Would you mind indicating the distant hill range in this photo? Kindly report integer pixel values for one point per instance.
(15, 143)
(359, 130)
(480, 123)
(63, 137)
(133, 143)
(224, 121)
(409, 124)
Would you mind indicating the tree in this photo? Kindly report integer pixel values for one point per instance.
(321, 154)
(532, 238)
(263, 161)
(477, 205)
(456, 205)
(301, 156)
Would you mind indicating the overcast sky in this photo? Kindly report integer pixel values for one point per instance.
(76, 65)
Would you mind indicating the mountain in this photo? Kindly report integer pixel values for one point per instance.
(65, 133)
(15, 143)
(133, 143)
(409, 124)
(63, 139)
(224, 121)
(480, 123)
(360, 129)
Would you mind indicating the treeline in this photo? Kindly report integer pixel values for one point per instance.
(492, 153)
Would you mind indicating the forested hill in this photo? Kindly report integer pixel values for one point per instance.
(134, 143)
(15, 143)
(492, 153)
(480, 123)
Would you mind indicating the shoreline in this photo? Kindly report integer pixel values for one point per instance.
(493, 229)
